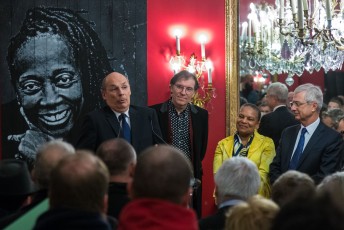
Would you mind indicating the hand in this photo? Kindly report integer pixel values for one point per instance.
(30, 141)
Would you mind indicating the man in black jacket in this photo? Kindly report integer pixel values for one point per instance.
(272, 124)
(185, 125)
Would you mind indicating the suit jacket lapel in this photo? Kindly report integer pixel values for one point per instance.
(315, 138)
(134, 124)
(290, 146)
(164, 120)
(111, 118)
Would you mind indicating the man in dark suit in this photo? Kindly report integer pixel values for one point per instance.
(236, 180)
(312, 147)
(138, 125)
(272, 124)
(185, 125)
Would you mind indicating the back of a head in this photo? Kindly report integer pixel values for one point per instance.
(237, 176)
(292, 185)
(279, 90)
(15, 184)
(48, 156)
(162, 172)
(333, 185)
(314, 213)
(257, 213)
(117, 154)
(80, 182)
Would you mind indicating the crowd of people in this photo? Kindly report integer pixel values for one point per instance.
(134, 167)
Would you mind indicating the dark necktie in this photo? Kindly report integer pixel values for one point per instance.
(125, 128)
(298, 151)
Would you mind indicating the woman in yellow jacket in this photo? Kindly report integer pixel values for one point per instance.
(247, 142)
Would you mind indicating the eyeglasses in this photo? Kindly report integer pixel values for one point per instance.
(297, 103)
(188, 90)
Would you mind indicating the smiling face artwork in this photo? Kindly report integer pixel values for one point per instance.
(56, 63)
(49, 86)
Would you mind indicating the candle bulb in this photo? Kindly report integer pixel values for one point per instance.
(209, 77)
(249, 28)
(178, 44)
(178, 33)
(305, 5)
(203, 50)
(300, 13)
(202, 39)
(209, 67)
(281, 10)
(293, 6)
(244, 31)
(328, 10)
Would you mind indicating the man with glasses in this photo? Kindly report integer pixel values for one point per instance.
(311, 147)
(273, 124)
(119, 118)
(185, 125)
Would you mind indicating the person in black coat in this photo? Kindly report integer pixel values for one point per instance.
(273, 124)
(185, 125)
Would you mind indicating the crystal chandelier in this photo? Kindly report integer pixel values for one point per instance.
(200, 68)
(293, 36)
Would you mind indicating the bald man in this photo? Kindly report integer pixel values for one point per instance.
(138, 125)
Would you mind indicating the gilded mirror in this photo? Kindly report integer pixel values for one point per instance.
(232, 82)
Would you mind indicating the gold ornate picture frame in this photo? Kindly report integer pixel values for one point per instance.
(232, 73)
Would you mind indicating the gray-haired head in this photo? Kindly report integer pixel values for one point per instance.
(335, 115)
(237, 176)
(48, 156)
(278, 90)
(313, 94)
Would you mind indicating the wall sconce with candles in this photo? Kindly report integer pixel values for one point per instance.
(200, 67)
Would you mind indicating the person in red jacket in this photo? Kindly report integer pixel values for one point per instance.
(160, 192)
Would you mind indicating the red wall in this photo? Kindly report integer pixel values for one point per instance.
(194, 17)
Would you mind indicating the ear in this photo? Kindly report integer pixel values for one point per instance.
(130, 190)
(105, 203)
(27, 201)
(257, 125)
(215, 195)
(186, 199)
(103, 94)
(131, 169)
(170, 86)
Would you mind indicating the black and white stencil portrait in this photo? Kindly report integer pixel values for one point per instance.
(56, 62)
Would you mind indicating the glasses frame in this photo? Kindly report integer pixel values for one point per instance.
(298, 104)
(181, 88)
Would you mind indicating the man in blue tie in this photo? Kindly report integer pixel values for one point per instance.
(311, 147)
(138, 125)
